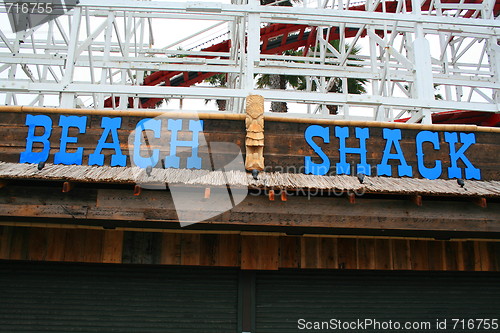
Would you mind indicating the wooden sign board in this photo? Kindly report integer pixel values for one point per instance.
(183, 141)
(382, 151)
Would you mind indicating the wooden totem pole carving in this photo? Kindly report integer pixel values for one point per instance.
(255, 133)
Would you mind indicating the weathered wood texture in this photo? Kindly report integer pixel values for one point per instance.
(14, 133)
(260, 252)
(266, 252)
(122, 207)
(284, 150)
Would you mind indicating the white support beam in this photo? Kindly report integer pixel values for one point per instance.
(68, 99)
(407, 53)
(253, 45)
(424, 85)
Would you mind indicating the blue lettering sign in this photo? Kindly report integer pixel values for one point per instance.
(317, 168)
(110, 125)
(193, 161)
(154, 155)
(29, 156)
(40, 130)
(362, 134)
(467, 140)
(432, 137)
(63, 157)
(393, 136)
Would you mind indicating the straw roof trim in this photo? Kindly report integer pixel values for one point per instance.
(135, 175)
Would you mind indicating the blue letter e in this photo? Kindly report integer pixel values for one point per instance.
(63, 157)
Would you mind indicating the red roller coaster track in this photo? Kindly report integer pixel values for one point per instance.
(277, 38)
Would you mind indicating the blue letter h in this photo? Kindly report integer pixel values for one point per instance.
(194, 161)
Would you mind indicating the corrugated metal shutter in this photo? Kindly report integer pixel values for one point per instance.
(50, 297)
(284, 297)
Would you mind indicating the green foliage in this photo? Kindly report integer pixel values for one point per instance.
(437, 95)
(295, 81)
(354, 85)
(218, 80)
(275, 81)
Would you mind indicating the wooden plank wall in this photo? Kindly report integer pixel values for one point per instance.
(284, 141)
(14, 133)
(245, 251)
(286, 148)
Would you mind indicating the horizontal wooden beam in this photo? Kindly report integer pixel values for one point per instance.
(245, 250)
(258, 212)
(228, 232)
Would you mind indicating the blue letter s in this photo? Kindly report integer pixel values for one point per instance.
(317, 168)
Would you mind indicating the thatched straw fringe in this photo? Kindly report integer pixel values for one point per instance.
(275, 180)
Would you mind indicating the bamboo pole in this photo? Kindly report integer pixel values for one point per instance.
(241, 117)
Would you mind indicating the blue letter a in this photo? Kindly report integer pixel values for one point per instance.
(393, 136)
(110, 125)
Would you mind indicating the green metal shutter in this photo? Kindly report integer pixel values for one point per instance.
(284, 297)
(56, 297)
